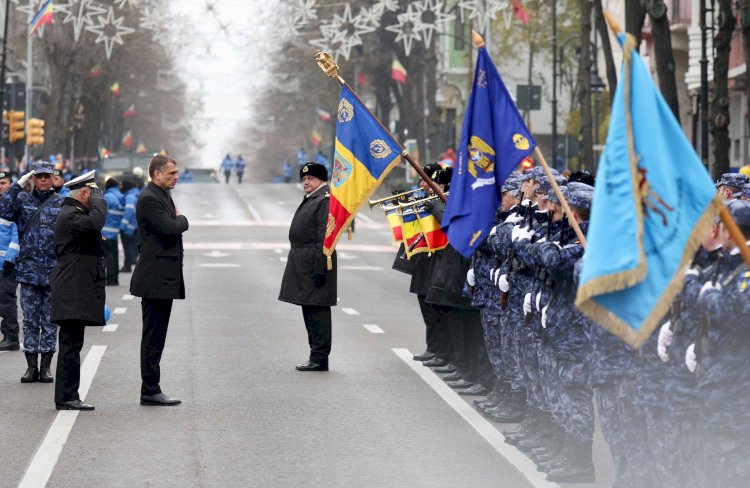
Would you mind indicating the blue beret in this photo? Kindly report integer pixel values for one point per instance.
(735, 180)
(740, 211)
(43, 167)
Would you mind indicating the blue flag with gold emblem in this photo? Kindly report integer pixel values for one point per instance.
(494, 140)
(653, 202)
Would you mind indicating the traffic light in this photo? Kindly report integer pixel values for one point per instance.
(35, 136)
(527, 163)
(16, 128)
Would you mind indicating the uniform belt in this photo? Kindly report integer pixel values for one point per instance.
(312, 244)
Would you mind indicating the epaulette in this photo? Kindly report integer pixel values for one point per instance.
(327, 195)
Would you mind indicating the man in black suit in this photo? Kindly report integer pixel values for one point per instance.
(157, 277)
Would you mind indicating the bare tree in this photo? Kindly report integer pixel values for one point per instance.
(719, 122)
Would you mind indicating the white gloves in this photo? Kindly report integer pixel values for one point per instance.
(521, 233)
(514, 218)
(691, 361)
(544, 316)
(23, 179)
(665, 340)
(538, 300)
(503, 284)
(470, 277)
(709, 285)
(691, 272)
(493, 231)
(526, 203)
(527, 303)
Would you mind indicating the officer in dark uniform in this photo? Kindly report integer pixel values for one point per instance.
(307, 280)
(77, 282)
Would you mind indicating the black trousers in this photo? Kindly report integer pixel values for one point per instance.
(111, 261)
(441, 331)
(130, 248)
(8, 307)
(319, 335)
(469, 350)
(68, 373)
(432, 334)
(156, 312)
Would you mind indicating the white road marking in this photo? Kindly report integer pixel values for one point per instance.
(110, 327)
(349, 311)
(364, 218)
(278, 251)
(219, 265)
(484, 428)
(217, 254)
(271, 246)
(362, 268)
(119, 310)
(127, 296)
(345, 256)
(254, 213)
(374, 329)
(45, 458)
(283, 259)
(268, 223)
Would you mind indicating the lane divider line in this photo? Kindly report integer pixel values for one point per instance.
(46, 457)
(127, 296)
(110, 327)
(349, 311)
(374, 329)
(481, 425)
(283, 259)
(119, 310)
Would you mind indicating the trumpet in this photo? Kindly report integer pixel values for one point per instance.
(379, 201)
(420, 202)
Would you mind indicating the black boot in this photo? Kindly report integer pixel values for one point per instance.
(580, 468)
(514, 410)
(44, 369)
(32, 372)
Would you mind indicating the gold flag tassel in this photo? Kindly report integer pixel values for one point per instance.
(349, 233)
(329, 263)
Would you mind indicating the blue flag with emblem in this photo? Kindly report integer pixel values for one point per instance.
(494, 140)
(653, 202)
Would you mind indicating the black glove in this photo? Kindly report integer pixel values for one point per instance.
(8, 267)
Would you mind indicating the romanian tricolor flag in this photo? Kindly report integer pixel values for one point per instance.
(315, 138)
(127, 140)
(43, 17)
(323, 114)
(141, 149)
(115, 89)
(413, 235)
(365, 154)
(395, 222)
(96, 71)
(433, 234)
(398, 72)
(129, 113)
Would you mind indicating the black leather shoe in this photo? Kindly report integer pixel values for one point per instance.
(454, 376)
(310, 366)
(8, 345)
(448, 368)
(74, 405)
(461, 384)
(477, 389)
(435, 363)
(425, 356)
(159, 400)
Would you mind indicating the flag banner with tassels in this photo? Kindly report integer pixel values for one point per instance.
(653, 202)
(365, 154)
(433, 234)
(396, 223)
(413, 236)
(494, 140)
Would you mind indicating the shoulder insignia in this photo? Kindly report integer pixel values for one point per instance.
(327, 195)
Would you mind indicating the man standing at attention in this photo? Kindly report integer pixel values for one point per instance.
(157, 277)
(77, 282)
(35, 213)
(307, 281)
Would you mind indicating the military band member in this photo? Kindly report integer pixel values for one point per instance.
(77, 282)
(307, 281)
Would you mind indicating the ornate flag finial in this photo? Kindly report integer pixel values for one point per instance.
(327, 64)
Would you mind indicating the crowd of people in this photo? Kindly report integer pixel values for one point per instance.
(503, 325)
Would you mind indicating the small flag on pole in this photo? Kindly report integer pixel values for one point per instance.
(129, 113)
(115, 89)
(43, 17)
(315, 138)
(323, 115)
(398, 72)
(127, 140)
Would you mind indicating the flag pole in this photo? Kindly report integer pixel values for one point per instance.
(563, 202)
(331, 69)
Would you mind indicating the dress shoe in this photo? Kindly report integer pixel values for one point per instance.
(9, 345)
(435, 362)
(461, 384)
(454, 376)
(425, 356)
(73, 405)
(448, 368)
(477, 389)
(311, 366)
(159, 400)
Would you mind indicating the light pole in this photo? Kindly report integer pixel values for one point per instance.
(556, 74)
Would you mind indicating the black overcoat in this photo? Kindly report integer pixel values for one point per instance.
(158, 271)
(447, 275)
(306, 234)
(78, 278)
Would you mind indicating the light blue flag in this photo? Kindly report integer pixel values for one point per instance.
(652, 204)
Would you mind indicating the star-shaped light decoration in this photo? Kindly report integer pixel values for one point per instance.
(407, 29)
(132, 4)
(482, 11)
(151, 19)
(432, 18)
(303, 11)
(109, 30)
(390, 5)
(343, 33)
(81, 13)
(371, 16)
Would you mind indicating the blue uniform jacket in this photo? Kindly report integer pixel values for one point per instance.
(9, 246)
(36, 258)
(128, 224)
(115, 212)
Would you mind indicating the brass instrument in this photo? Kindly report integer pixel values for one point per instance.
(379, 201)
(415, 206)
